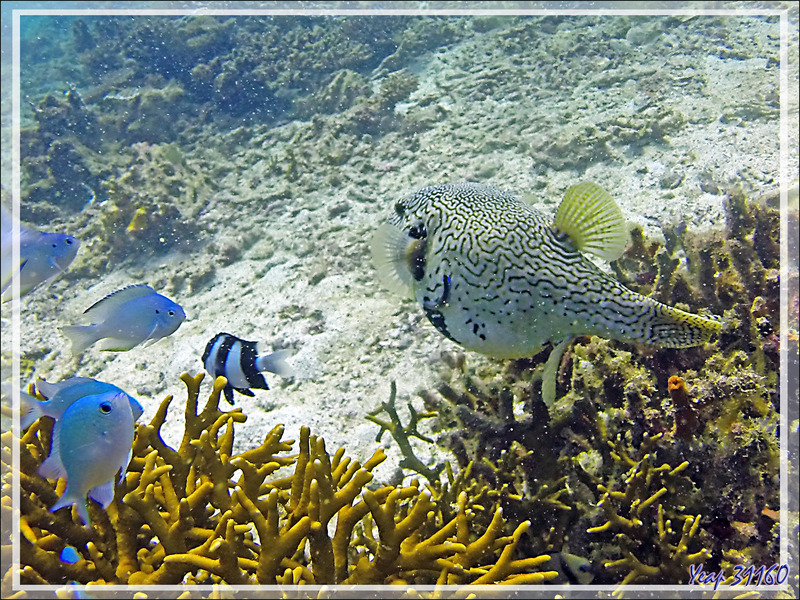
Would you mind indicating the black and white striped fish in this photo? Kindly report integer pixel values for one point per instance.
(239, 362)
(501, 278)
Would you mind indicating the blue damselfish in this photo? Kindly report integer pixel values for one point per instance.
(91, 443)
(60, 395)
(125, 319)
(43, 257)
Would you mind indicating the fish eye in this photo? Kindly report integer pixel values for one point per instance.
(157, 311)
(105, 408)
(171, 313)
(399, 208)
(68, 241)
(418, 231)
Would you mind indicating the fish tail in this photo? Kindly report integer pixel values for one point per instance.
(67, 500)
(103, 494)
(81, 336)
(61, 503)
(8, 277)
(275, 363)
(671, 327)
(30, 410)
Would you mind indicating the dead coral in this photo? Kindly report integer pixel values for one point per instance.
(202, 514)
(401, 434)
(375, 115)
(61, 163)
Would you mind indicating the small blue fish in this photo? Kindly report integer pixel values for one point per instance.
(238, 361)
(61, 395)
(92, 442)
(125, 319)
(571, 568)
(43, 257)
(70, 555)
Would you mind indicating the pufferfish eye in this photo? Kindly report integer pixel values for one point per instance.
(418, 230)
(105, 408)
(400, 209)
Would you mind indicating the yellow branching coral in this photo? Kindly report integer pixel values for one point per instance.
(275, 514)
(403, 434)
(630, 516)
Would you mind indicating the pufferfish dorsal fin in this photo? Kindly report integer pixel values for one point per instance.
(390, 247)
(593, 221)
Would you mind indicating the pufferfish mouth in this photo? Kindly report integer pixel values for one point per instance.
(435, 305)
(437, 319)
(418, 231)
(416, 250)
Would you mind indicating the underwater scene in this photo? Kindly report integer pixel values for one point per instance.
(482, 303)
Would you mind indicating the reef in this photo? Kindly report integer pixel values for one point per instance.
(651, 460)
(60, 157)
(161, 78)
(144, 199)
(120, 151)
(280, 513)
(650, 463)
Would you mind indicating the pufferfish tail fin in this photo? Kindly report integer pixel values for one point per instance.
(593, 221)
(671, 327)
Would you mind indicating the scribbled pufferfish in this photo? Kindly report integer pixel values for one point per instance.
(498, 277)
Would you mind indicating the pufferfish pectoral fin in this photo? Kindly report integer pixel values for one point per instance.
(593, 221)
(395, 256)
(550, 372)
